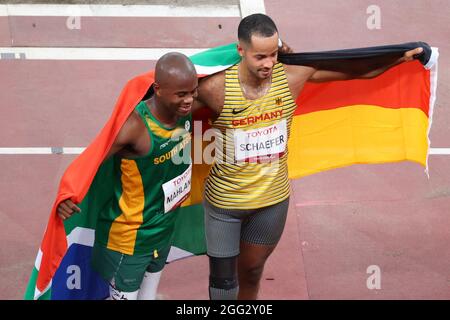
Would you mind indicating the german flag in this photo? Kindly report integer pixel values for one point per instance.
(385, 119)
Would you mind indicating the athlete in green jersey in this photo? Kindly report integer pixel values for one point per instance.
(152, 177)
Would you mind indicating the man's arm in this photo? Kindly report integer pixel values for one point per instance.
(365, 68)
(128, 134)
(211, 92)
(125, 137)
(198, 104)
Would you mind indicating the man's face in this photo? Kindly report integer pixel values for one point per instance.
(178, 94)
(260, 55)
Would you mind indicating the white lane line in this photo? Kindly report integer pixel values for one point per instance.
(71, 10)
(439, 151)
(75, 150)
(93, 53)
(41, 150)
(249, 7)
(25, 150)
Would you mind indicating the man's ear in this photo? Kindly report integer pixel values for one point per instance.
(157, 88)
(240, 49)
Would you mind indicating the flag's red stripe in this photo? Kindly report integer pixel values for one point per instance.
(387, 90)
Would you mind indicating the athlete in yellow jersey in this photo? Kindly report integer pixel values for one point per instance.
(247, 190)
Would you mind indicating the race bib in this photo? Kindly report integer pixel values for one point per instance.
(262, 143)
(177, 190)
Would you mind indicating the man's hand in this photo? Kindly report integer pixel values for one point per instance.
(412, 54)
(66, 209)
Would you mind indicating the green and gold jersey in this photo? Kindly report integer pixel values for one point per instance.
(148, 190)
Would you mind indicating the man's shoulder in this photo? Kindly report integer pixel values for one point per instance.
(213, 81)
(211, 92)
(296, 73)
(134, 125)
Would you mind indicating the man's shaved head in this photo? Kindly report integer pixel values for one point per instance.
(173, 66)
(175, 84)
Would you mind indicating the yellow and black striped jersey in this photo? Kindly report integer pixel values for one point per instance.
(250, 167)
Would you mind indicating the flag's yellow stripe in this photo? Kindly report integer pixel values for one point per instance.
(199, 174)
(356, 134)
